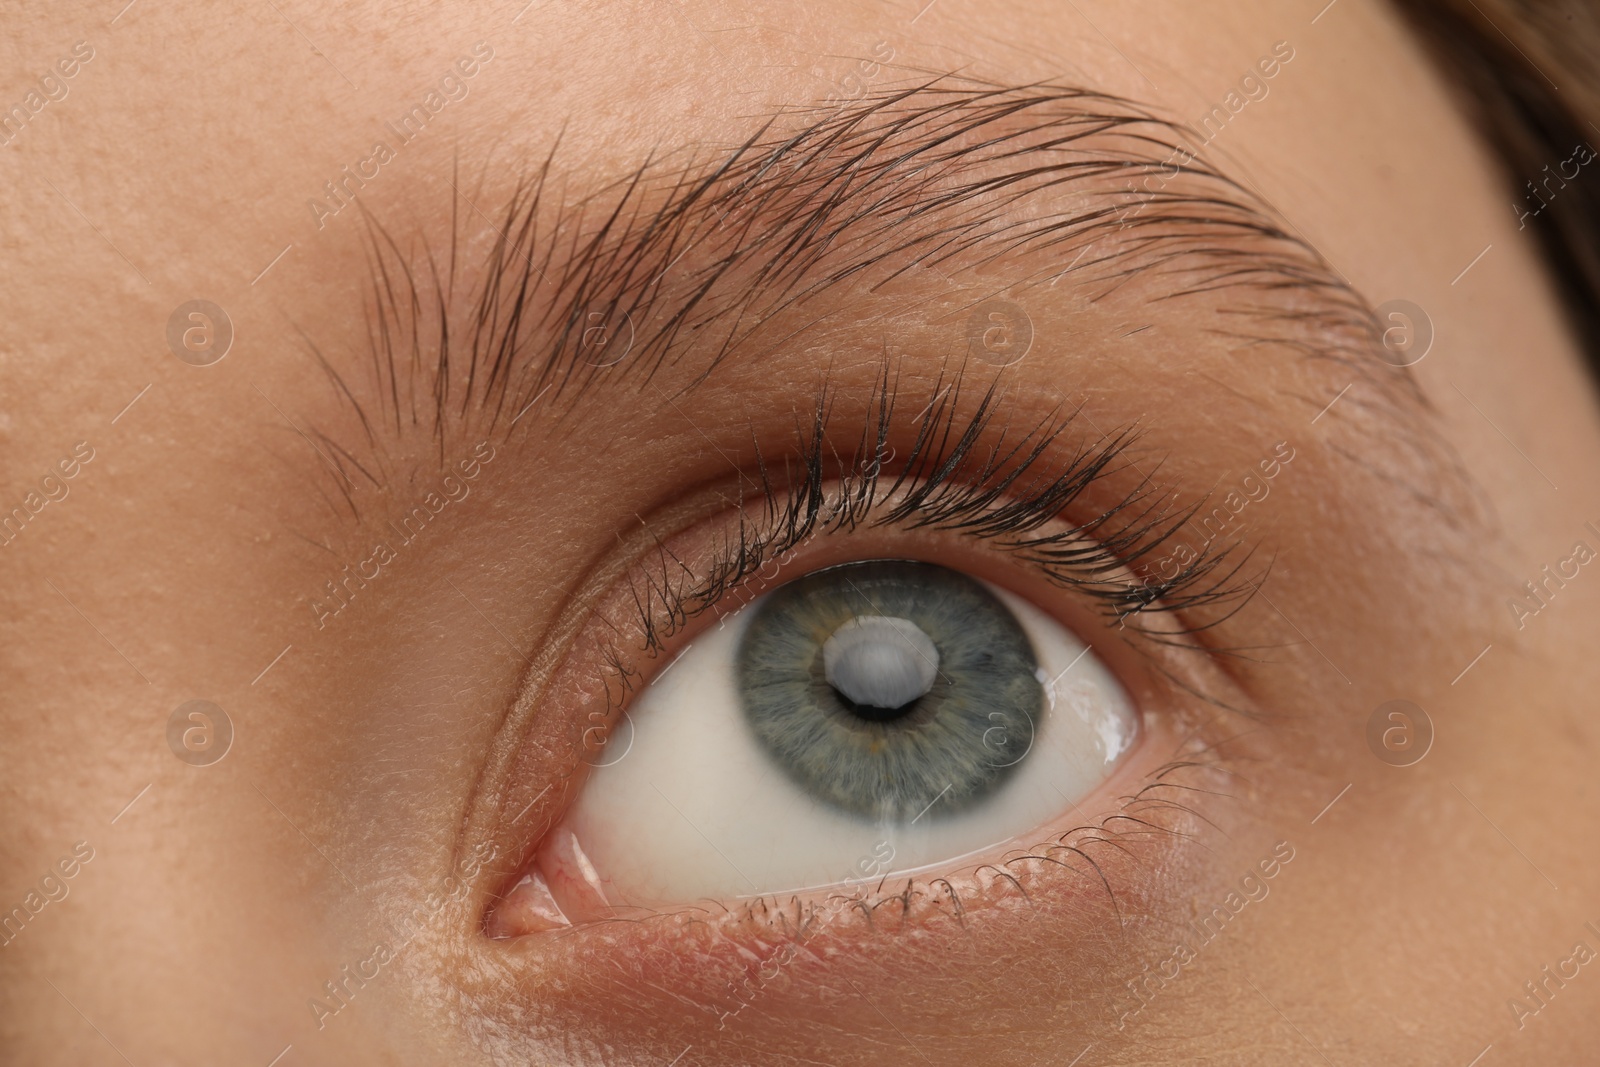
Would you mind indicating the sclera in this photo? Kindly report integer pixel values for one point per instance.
(696, 810)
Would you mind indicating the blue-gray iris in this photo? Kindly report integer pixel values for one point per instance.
(885, 686)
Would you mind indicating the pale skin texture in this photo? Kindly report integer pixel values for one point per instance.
(376, 754)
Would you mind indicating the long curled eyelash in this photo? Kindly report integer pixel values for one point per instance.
(961, 474)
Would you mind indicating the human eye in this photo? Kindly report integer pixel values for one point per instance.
(888, 677)
(862, 720)
(818, 430)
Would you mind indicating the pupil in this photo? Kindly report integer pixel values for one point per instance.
(880, 665)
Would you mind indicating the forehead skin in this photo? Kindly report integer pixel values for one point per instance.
(179, 166)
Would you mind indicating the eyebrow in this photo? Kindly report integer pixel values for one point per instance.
(695, 250)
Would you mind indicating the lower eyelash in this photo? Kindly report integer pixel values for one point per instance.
(925, 899)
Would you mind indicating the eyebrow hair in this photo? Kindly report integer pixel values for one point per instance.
(695, 254)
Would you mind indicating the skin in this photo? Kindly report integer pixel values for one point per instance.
(382, 748)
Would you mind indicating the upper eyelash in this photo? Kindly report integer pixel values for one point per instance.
(961, 475)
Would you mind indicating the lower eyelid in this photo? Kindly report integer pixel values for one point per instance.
(1081, 891)
(1070, 863)
(1075, 905)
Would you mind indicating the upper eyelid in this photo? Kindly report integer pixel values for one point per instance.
(967, 489)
